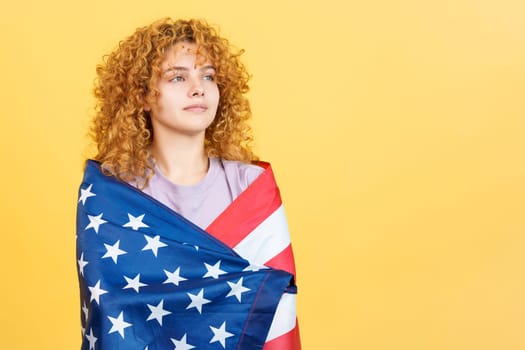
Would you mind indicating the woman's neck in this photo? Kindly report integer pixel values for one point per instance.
(183, 161)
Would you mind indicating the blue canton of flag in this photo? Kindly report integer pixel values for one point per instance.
(150, 279)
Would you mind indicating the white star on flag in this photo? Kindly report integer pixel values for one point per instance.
(96, 292)
(91, 339)
(113, 251)
(197, 301)
(85, 194)
(81, 264)
(157, 312)
(237, 289)
(135, 222)
(214, 270)
(181, 344)
(174, 277)
(254, 267)
(134, 283)
(220, 334)
(153, 244)
(95, 222)
(119, 324)
(85, 310)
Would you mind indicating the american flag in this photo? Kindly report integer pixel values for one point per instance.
(150, 279)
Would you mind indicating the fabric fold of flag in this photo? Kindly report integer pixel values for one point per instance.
(150, 279)
(255, 226)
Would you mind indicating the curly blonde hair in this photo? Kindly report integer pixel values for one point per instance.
(127, 82)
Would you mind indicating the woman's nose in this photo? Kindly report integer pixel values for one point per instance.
(196, 89)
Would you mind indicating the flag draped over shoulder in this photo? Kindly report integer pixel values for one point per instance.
(150, 279)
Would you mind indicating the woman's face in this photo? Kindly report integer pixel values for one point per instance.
(189, 95)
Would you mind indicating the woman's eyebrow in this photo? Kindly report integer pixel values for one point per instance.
(182, 68)
(176, 68)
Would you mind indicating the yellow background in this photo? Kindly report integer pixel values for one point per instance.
(395, 128)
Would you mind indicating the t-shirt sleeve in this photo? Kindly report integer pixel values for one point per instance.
(249, 172)
(240, 175)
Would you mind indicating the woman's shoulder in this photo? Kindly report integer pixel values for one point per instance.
(241, 173)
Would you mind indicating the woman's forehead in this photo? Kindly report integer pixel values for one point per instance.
(186, 50)
(186, 47)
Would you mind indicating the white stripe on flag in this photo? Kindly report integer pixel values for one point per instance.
(267, 240)
(285, 317)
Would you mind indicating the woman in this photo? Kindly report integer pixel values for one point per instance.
(181, 236)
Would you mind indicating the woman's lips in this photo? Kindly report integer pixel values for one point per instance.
(196, 108)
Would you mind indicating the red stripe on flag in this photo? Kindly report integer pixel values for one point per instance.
(248, 210)
(288, 341)
(283, 261)
(251, 208)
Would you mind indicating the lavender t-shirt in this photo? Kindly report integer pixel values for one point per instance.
(203, 202)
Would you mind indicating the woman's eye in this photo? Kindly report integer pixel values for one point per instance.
(177, 78)
(209, 77)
